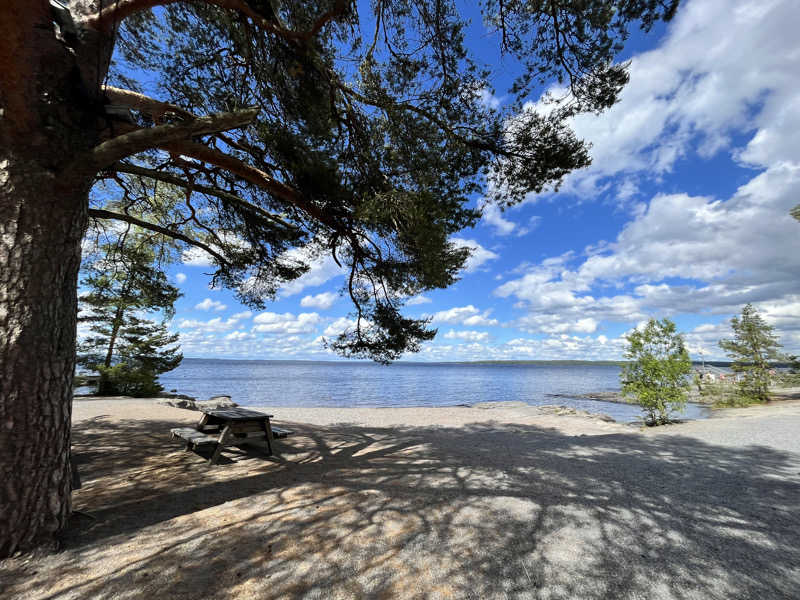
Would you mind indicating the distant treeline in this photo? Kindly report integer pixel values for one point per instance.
(602, 363)
(553, 363)
(715, 363)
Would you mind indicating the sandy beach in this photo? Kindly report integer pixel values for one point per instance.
(496, 501)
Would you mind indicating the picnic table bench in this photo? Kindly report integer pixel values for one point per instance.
(229, 427)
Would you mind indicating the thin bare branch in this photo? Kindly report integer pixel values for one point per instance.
(99, 213)
(203, 189)
(442, 125)
(337, 10)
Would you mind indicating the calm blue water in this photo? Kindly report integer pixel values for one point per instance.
(348, 384)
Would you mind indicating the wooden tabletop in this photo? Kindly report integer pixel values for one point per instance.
(236, 414)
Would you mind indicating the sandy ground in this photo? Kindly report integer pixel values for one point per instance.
(501, 501)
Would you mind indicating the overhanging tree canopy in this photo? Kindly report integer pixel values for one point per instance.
(348, 128)
(359, 133)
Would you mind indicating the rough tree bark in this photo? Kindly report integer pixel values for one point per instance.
(47, 116)
(54, 138)
(41, 228)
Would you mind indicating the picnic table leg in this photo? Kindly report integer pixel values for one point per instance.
(223, 438)
(267, 435)
(202, 424)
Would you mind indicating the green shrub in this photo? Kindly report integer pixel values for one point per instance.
(722, 393)
(656, 377)
(123, 379)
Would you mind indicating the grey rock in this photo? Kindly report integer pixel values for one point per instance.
(188, 404)
(223, 398)
(216, 402)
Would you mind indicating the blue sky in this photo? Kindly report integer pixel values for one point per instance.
(684, 213)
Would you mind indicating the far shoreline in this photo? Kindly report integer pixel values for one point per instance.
(543, 362)
(778, 397)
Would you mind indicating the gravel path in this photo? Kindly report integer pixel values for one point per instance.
(774, 426)
(501, 501)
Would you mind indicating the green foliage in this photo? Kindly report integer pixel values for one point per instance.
(656, 377)
(721, 393)
(372, 138)
(123, 379)
(753, 346)
(791, 378)
(127, 350)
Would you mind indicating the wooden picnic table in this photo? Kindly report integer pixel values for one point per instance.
(228, 427)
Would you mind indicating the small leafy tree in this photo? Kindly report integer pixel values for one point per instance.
(126, 349)
(753, 346)
(656, 377)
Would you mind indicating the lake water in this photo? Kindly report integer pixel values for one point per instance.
(350, 384)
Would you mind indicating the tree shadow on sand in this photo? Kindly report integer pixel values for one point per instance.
(483, 511)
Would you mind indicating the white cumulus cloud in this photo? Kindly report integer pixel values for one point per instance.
(465, 315)
(239, 336)
(322, 301)
(680, 254)
(479, 255)
(209, 304)
(339, 326)
(286, 323)
(322, 269)
(415, 300)
(725, 66)
(469, 336)
(213, 325)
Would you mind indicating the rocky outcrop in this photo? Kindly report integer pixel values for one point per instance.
(216, 402)
(189, 403)
(551, 409)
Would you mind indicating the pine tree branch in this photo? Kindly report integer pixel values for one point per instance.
(338, 9)
(151, 106)
(109, 16)
(99, 213)
(203, 189)
(252, 174)
(126, 144)
(442, 125)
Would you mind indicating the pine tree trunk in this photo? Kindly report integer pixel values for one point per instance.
(40, 237)
(48, 115)
(113, 339)
(105, 386)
